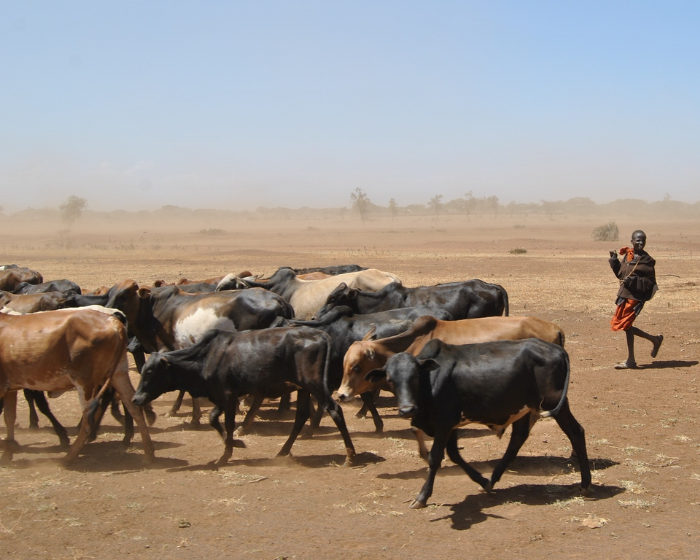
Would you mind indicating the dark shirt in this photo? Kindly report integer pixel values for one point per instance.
(638, 276)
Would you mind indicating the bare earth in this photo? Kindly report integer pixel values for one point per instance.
(641, 426)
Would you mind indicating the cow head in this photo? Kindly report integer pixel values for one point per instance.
(126, 296)
(341, 295)
(360, 359)
(403, 371)
(156, 379)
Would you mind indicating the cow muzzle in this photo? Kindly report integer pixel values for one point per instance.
(407, 411)
(139, 399)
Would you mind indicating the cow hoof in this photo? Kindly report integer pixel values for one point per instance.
(64, 443)
(151, 418)
(239, 443)
(238, 432)
(417, 504)
(586, 491)
(488, 486)
(126, 443)
(34, 426)
(6, 458)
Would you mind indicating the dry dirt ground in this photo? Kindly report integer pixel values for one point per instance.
(641, 426)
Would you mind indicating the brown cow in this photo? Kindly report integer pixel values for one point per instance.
(366, 355)
(10, 278)
(61, 350)
(31, 303)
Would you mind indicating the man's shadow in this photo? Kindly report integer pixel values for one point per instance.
(665, 364)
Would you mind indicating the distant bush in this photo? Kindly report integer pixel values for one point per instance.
(519, 226)
(608, 232)
(212, 231)
(518, 251)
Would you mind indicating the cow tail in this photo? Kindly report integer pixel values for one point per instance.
(327, 366)
(562, 338)
(506, 305)
(555, 410)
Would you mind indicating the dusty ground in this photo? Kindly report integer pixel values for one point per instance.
(641, 426)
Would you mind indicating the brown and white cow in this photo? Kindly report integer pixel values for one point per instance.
(170, 319)
(366, 355)
(83, 349)
(308, 296)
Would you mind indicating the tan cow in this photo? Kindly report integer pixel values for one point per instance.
(83, 349)
(308, 296)
(366, 355)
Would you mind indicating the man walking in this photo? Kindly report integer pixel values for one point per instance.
(637, 286)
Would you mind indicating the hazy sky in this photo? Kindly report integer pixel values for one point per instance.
(231, 104)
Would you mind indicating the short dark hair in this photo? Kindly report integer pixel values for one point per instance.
(635, 232)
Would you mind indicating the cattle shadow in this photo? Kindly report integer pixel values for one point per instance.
(471, 511)
(665, 364)
(532, 465)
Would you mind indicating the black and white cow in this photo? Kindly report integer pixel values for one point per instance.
(493, 383)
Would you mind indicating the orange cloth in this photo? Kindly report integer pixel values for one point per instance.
(624, 315)
(627, 253)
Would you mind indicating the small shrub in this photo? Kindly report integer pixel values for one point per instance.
(212, 231)
(518, 251)
(607, 232)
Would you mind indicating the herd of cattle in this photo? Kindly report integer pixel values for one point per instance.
(450, 353)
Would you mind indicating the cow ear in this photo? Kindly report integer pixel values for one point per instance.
(162, 360)
(428, 365)
(352, 293)
(375, 376)
(371, 333)
(144, 293)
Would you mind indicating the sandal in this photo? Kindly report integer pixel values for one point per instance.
(626, 365)
(657, 345)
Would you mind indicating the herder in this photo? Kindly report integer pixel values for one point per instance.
(637, 286)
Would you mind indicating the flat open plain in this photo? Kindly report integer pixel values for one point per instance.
(642, 426)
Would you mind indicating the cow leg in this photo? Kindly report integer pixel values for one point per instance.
(435, 457)
(456, 458)
(249, 417)
(365, 408)
(177, 404)
(303, 398)
(336, 413)
(116, 413)
(128, 428)
(316, 417)
(230, 421)
(420, 439)
(122, 383)
(107, 399)
(368, 399)
(33, 416)
(285, 403)
(214, 422)
(196, 413)
(10, 402)
(43, 407)
(87, 427)
(520, 433)
(576, 434)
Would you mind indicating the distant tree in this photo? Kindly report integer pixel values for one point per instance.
(72, 208)
(492, 204)
(393, 208)
(470, 203)
(360, 202)
(434, 205)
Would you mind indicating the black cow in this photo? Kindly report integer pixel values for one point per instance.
(66, 287)
(492, 383)
(470, 299)
(225, 365)
(346, 327)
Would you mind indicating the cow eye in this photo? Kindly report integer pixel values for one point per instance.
(356, 368)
